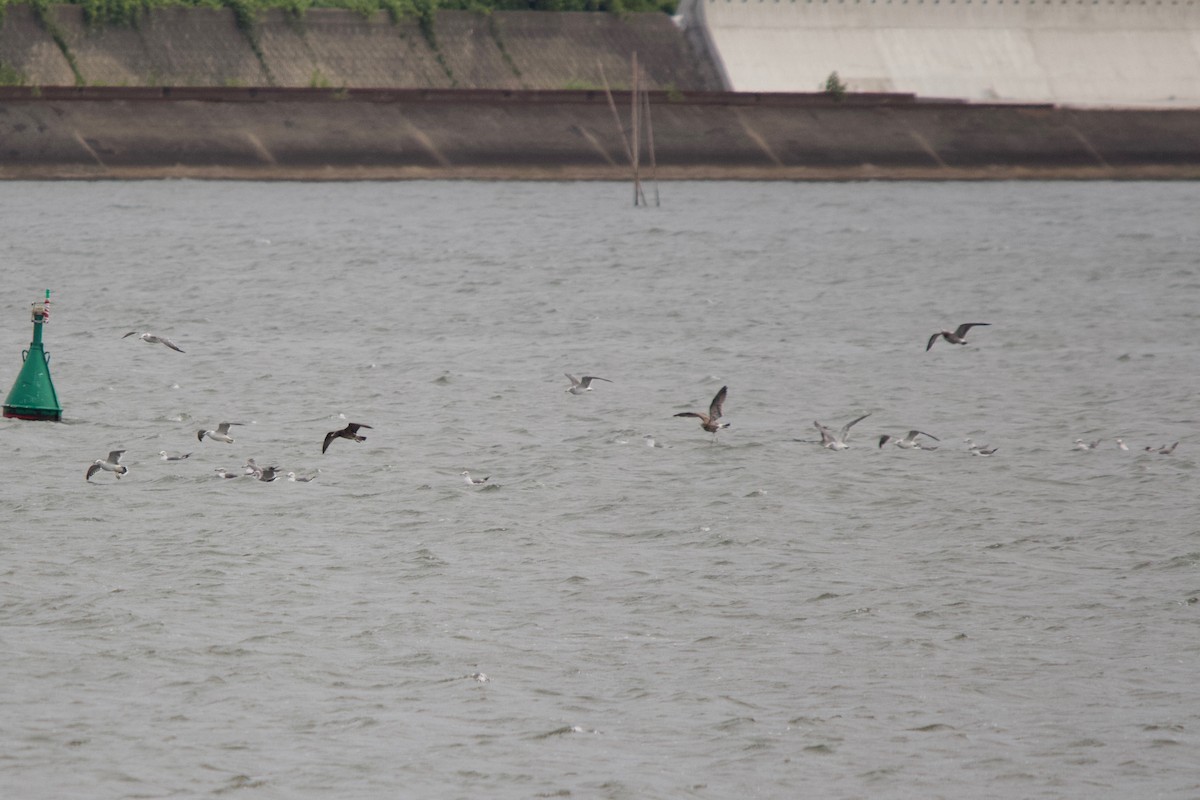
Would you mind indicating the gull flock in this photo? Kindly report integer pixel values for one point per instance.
(710, 422)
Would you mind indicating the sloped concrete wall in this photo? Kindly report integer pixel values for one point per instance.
(29, 50)
(1085, 52)
(337, 48)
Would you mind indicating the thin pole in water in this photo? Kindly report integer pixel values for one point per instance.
(650, 144)
(634, 103)
(612, 104)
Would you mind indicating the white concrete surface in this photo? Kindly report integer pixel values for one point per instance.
(1072, 52)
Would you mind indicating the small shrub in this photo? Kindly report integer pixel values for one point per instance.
(834, 87)
(318, 80)
(10, 76)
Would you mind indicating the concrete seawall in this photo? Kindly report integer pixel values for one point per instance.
(338, 95)
(359, 134)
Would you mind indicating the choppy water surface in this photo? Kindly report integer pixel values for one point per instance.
(606, 619)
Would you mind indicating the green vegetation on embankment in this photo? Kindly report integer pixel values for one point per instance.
(127, 12)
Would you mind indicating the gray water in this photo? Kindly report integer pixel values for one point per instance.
(758, 617)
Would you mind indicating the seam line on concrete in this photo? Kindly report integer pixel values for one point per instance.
(262, 151)
(924, 144)
(594, 142)
(758, 140)
(1088, 146)
(87, 147)
(427, 143)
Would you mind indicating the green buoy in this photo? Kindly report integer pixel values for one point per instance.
(33, 395)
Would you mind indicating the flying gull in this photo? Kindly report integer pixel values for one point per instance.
(709, 421)
(152, 339)
(111, 464)
(909, 442)
(348, 432)
(839, 440)
(221, 434)
(584, 384)
(473, 481)
(957, 336)
(1164, 450)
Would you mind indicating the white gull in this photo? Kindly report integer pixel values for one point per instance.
(584, 384)
(111, 464)
(909, 442)
(153, 339)
(839, 440)
(221, 434)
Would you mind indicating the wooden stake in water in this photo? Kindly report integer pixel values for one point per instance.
(650, 145)
(635, 102)
(616, 115)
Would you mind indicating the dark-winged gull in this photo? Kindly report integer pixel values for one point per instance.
(221, 434)
(957, 336)
(111, 464)
(153, 339)
(709, 421)
(909, 442)
(584, 384)
(348, 432)
(839, 440)
(473, 481)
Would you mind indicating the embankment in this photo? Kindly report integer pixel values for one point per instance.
(332, 48)
(299, 134)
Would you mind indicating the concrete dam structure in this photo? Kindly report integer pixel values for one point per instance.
(338, 95)
(1072, 52)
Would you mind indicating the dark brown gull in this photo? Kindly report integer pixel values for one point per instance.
(957, 336)
(709, 421)
(349, 432)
